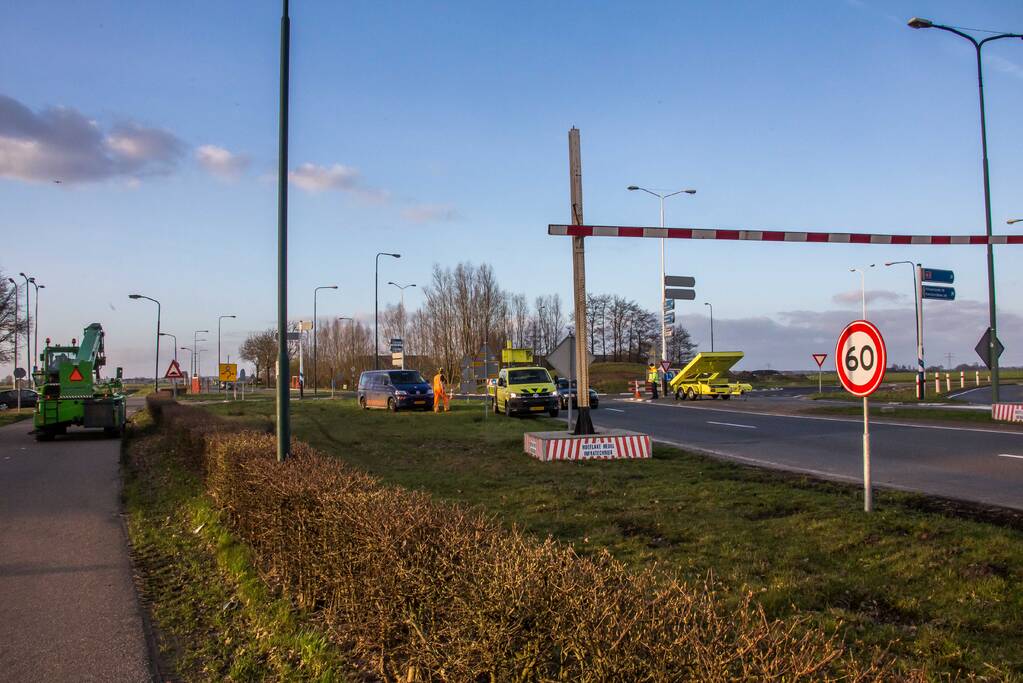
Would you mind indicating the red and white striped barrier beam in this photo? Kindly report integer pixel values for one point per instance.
(776, 235)
(1010, 412)
(552, 446)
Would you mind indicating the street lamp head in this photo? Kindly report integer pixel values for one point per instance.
(32, 280)
(706, 303)
(22, 275)
(918, 22)
(689, 191)
(632, 187)
(395, 255)
(134, 296)
(1014, 220)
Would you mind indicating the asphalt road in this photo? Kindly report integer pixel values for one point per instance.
(68, 608)
(976, 464)
(1008, 393)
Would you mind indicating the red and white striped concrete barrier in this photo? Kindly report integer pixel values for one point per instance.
(776, 235)
(1009, 412)
(617, 444)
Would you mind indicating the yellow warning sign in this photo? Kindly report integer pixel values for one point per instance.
(228, 372)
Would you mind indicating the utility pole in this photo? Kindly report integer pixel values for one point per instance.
(283, 379)
(948, 360)
(583, 423)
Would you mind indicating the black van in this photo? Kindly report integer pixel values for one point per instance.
(394, 390)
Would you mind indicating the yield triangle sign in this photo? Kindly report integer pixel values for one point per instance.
(76, 375)
(665, 364)
(173, 371)
(819, 357)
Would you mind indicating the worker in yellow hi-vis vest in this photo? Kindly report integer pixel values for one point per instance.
(651, 380)
(440, 392)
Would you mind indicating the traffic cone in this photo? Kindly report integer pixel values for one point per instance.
(635, 391)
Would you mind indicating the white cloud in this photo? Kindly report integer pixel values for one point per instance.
(316, 178)
(1002, 64)
(430, 213)
(61, 143)
(854, 296)
(221, 162)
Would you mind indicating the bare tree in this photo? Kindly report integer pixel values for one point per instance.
(10, 309)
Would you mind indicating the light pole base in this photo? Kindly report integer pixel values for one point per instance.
(583, 422)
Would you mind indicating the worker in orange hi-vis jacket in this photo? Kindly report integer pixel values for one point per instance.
(440, 392)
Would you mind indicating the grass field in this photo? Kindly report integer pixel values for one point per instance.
(614, 378)
(946, 589)
(11, 416)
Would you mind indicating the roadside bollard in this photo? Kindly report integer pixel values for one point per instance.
(962, 379)
(937, 382)
(977, 374)
(948, 382)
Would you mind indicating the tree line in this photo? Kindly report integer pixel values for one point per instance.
(464, 309)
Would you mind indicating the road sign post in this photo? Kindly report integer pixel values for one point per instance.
(819, 358)
(861, 358)
(928, 292)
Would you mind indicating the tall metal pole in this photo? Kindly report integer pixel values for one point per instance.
(707, 303)
(664, 338)
(35, 338)
(583, 423)
(376, 307)
(918, 305)
(283, 374)
(918, 23)
(16, 305)
(28, 325)
(156, 373)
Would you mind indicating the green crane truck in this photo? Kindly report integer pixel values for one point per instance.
(71, 391)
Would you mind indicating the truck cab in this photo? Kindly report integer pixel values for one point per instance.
(524, 390)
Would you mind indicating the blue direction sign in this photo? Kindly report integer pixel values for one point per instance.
(669, 318)
(945, 293)
(935, 275)
(669, 304)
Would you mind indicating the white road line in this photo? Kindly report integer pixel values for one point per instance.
(838, 419)
(615, 410)
(1009, 455)
(730, 424)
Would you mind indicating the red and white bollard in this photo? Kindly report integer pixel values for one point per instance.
(948, 382)
(937, 382)
(977, 376)
(962, 379)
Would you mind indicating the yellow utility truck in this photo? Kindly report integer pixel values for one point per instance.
(705, 376)
(525, 390)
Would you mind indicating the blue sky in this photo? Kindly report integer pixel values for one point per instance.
(439, 130)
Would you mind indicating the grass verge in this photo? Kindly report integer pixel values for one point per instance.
(214, 618)
(944, 589)
(8, 417)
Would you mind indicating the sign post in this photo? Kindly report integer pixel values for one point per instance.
(174, 374)
(819, 358)
(861, 358)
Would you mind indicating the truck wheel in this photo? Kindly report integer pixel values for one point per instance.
(113, 432)
(43, 434)
(494, 407)
(690, 394)
(362, 403)
(553, 412)
(727, 396)
(507, 409)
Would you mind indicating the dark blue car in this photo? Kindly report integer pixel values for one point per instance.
(394, 390)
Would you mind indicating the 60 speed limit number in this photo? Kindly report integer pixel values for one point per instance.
(861, 358)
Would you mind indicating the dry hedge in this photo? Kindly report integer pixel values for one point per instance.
(421, 590)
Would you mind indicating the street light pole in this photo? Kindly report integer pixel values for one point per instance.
(403, 288)
(660, 285)
(917, 23)
(156, 374)
(283, 370)
(919, 326)
(35, 338)
(174, 382)
(707, 303)
(28, 326)
(195, 357)
(219, 318)
(351, 336)
(863, 290)
(315, 292)
(376, 307)
(15, 373)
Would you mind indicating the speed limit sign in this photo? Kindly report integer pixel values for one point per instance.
(861, 358)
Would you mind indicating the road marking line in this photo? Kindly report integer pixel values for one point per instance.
(730, 424)
(1009, 455)
(615, 410)
(840, 419)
